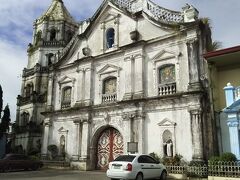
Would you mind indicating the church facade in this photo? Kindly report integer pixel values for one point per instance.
(130, 79)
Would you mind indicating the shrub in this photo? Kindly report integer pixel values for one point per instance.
(53, 149)
(228, 157)
(155, 156)
(174, 161)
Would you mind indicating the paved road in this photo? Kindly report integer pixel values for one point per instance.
(50, 174)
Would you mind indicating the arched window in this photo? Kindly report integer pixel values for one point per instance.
(110, 85)
(53, 34)
(24, 118)
(28, 90)
(167, 74)
(66, 97)
(110, 36)
(50, 58)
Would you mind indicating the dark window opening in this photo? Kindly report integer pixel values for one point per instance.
(53, 34)
(50, 59)
(66, 97)
(110, 35)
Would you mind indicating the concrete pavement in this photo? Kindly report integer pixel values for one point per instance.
(53, 174)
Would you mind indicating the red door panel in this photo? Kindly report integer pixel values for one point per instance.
(110, 145)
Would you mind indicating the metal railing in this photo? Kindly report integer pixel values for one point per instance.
(218, 169)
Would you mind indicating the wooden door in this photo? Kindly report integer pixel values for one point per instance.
(110, 146)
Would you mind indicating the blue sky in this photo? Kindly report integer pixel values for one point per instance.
(16, 19)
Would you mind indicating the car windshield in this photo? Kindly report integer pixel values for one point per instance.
(126, 158)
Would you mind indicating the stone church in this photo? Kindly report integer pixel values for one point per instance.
(131, 79)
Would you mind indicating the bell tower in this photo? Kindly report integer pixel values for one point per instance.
(52, 32)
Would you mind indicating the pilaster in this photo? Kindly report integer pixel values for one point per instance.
(138, 79)
(47, 124)
(85, 139)
(193, 63)
(129, 77)
(197, 140)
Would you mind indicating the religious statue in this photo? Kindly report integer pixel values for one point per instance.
(168, 148)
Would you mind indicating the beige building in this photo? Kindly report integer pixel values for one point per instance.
(224, 68)
(131, 75)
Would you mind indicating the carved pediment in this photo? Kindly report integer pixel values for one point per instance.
(167, 122)
(109, 17)
(164, 55)
(62, 130)
(109, 69)
(66, 79)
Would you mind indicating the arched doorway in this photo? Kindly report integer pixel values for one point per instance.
(109, 146)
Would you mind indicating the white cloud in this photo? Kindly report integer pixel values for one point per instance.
(12, 60)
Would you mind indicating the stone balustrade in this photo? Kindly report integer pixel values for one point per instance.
(53, 43)
(107, 98)
(66, 104)
(166, 89)
(163, 14)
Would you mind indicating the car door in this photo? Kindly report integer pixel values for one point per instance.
(145, 166)
(154, 167)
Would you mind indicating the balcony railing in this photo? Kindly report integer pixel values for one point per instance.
(166, 89)
(54, 43)
(108, 98)
(66, 104)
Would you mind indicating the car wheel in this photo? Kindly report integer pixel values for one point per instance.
(163, 175)
(139, 176)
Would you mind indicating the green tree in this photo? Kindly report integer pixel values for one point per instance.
(5, 120)
(211, 45)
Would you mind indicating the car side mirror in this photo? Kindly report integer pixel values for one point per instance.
(157, 162)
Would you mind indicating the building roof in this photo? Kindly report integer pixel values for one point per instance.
(57, 12)
(223, 57)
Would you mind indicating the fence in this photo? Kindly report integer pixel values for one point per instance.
(219, 169)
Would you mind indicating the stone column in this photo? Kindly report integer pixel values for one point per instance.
(129, 77)
(234, 137)
(197, 140)
(50, 91)
(193, 63)
(127, 125)
(47, 125)
(138, 80)
(87, 85)
(140, 133)
(78, 138)
(80, 86)
(85, 140)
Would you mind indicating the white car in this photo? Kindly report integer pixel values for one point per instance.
(136, 167)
